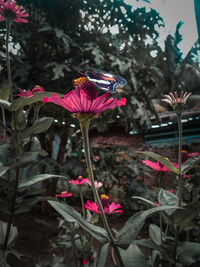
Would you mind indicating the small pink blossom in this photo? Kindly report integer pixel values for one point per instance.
(186, 155)
(157, 204)
(85, 99)
(85, 261)
(157, 166)
(79, 181)
(171, 191)
(29, 93)
(108, 208)
(11, 11)
(176, 102)
(64, 194)
(97, 184)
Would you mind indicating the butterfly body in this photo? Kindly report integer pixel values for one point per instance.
(104, 80)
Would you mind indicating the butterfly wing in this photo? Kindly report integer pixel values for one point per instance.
(104, 80)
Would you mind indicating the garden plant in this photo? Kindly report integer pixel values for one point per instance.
(87, 231)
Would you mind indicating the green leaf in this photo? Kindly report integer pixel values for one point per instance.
(154, 233)
(5, 104)
(24, 101)
(133, 257)
(161, 159)
(189, 164)
(37, 179)
(12, 235)
(167, 198)
(188, 252)
(145, 200)
(6, 184)
(41, 125)
(71, 215)
(18, 121)
(5, 92)
(148, 243)
(185, 217)
(102, 257)
(131, 228)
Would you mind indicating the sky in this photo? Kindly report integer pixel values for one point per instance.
(173, 11)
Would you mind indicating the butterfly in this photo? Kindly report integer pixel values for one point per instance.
(104, 80)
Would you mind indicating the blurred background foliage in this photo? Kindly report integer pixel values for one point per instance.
(63, 36)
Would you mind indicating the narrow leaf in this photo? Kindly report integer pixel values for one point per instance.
(188, 252)
(189, 164)
(37, 179)
(71, 215)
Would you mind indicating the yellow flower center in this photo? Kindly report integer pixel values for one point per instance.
(80, 80)
(104, 197)
(63, 192)
(184, 151)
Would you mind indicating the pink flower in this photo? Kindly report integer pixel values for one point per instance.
(79, 181)
(157, 204)
(171, 191)
(84, 99)
(85, 261)
(97, 184)
(64, 194)
(186, 155)
(173, 98)
(12, 12)
(29, 93)
(157, 166)
(108, 208)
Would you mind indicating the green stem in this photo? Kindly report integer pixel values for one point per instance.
(85, 128)
(8, 26)
(12, 209)
(180, 182)
(82, 205)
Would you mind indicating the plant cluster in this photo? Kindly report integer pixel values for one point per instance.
(21, 124)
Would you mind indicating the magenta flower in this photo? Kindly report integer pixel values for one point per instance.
(186, 155)
(97, 184)
(79, 181)
(85, 99)
(157, 204)
(12, 12)
(29, 93)
(171, 191)
(157, 166)
(64, 194)
(108, 208)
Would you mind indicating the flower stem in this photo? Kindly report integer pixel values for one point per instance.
(82, 204)
(85, 128)
(180, 182)
(8, 26)
(18, 174)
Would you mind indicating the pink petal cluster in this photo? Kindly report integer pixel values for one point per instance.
(186, 155)
(10, 10)
(29, 93)
(108, 208)
(81, 181)
(85, 99)
(157, 166)
(173, 99)
(64, 194)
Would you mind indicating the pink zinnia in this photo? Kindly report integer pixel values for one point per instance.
(108, 208)
(12, 12)
(97, 184)
(29, 93)
(79, 181)
(186, 155)
(157, 166)
(85, 99)
(64, 194)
